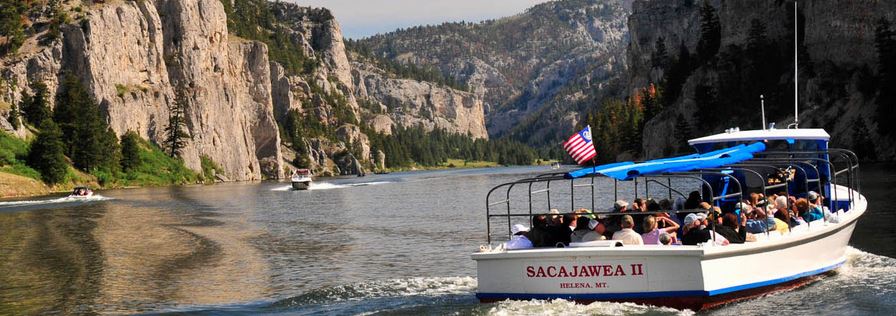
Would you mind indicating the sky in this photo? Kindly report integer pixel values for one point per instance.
(362, 18)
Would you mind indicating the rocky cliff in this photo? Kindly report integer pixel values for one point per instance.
(134, 56)
(837, 58)
(408, 102)
(535, 70)
(330, 92)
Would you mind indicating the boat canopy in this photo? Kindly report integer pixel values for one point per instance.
(628, 170)
(759, 135)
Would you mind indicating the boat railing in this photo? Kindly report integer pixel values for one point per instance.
(803, 162)
(553, 177)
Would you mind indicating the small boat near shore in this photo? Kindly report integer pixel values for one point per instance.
(301, 179)
(81, 192)
(726, 169)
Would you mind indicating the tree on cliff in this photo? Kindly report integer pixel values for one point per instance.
(130, 151)
(682, 133)
(885, 42)
(710, 32)
(89, 141)
(675, 77)
(14, 117)
(36, 107)
(46, 154)
(11, 26)
(659, 58)
(176, 134)
(861, 140)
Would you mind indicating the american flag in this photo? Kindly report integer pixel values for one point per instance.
(580, 147)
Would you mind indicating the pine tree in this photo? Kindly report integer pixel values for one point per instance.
(682, 133)
(710, 33)
(14, 117)
(130, 151)
(46, 154)
(861, 141)
(90, 142)
(176, 134)
(11, 26)
(659, 58)
(36, 107)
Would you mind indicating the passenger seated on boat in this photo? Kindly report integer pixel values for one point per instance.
(639, 207)
(627, 235)
(758, 221)
(653, 232)
(538, 235)
(557, 232)
(596, 231)
(519, 239)
(581, 229)
(665, 239)
(730, 230)
(692, 234)
(693, 202)
(782, 220)
(816, 201)
(584, 212)
(570, 220)
(697, 231)
(808, 213)
(612, 221)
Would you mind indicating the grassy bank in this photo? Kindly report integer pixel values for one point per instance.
(153, 168)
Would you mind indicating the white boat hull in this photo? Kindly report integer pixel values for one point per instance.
(693, 277)
(301, 185)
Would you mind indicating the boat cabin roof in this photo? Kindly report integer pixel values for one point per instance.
(759, 135)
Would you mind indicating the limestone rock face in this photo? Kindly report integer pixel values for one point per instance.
(411, 103)
(118, 54)
(133, 55)
(230, 114)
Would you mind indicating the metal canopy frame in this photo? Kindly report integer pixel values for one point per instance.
(798, 160)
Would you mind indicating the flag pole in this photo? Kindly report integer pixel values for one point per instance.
(593, 168)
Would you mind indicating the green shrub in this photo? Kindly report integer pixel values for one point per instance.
(209, 168)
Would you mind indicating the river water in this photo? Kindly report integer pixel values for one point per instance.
(383, 244)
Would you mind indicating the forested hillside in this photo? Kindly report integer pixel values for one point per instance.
(537, 71)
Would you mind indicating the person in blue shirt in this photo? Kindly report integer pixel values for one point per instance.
(809, 214)
(519, 239)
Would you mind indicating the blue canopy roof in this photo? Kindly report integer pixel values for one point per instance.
(628, 170)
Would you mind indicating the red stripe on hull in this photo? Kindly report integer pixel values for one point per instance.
(697, 303)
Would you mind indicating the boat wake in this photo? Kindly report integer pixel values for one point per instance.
(86, 199)
(412, 295)
(564, 307)
(329, 186)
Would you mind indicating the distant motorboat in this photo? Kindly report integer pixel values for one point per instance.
(81, 192)
(555, 165)
(301, 179)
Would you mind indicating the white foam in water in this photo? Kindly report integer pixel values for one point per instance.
(564, 307)
(66, 199)
(873, 271)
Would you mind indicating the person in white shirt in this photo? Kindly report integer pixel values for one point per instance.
(627, 235)
(519, 239)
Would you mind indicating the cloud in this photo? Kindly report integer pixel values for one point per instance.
(361, 18)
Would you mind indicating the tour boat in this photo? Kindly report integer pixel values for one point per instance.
(81, 192)
(726, 168)
(301, 179)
